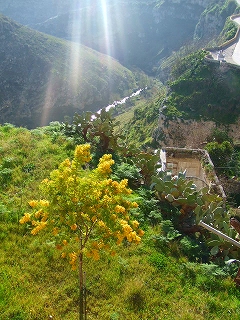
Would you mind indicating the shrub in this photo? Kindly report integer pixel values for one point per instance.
(5, 176)
(194, 249)
(127, 171)
(158, 260)
(220, 153)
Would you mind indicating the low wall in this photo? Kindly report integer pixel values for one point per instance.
(198, 165)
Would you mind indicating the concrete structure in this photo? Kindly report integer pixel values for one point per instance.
(231, 47)
(198, 165)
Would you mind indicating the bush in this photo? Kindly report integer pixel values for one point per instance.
(158, 260)
(220, 153)
(194, 249)
(5, 176)
(127, 171)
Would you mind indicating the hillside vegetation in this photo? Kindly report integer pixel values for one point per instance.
(43, 78)
(169, 275)
(201, 89)
(137, 33)
(200, 93)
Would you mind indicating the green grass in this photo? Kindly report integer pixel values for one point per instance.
(200, 90)
(148, 281)
(35, 284)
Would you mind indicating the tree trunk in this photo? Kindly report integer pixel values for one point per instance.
(82, 293)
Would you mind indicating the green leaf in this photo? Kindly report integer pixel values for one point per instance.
(204, 190)
(182, 200)
(199, 201)
(159, 185)
(214, 243)
(170, 198)
(225, 227)
(197, 210)
(214, 250)
(191, 199)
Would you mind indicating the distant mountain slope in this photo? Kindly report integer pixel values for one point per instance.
(43, 78)
(137, 33)
(34, 11)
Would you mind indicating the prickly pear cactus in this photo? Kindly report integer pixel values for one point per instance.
(194, 206)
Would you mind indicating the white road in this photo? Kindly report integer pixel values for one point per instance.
(236, 52)
(232, 51)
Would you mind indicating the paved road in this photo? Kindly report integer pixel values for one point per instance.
(236, 52)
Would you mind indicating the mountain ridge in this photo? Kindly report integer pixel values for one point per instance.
(49, 78)
(137, 33)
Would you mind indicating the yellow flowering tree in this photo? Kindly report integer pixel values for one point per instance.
(84, 210)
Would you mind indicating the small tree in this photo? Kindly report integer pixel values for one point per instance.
(84, 210)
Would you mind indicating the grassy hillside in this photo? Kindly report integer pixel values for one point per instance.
(201, 95)
(201, 89)
(162, 278)
(43, 78)
(137, 33)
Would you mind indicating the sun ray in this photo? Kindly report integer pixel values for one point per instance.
(107, 27)
(48, 101)
(75, 50)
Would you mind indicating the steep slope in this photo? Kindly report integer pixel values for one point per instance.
(33, 11)
(43, 78)
(202, 95)
(140, 33)
(213, 19)
(137, 33)
(202, 89)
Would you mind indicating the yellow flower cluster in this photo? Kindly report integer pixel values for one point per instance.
(64, 242)
(98, 245)
(101, 224)
(25, 218)
(105, 163)
(120, 209)
(73, 260)
(121, 187)
(94, 253)
(135, 224)
(33, 203)
(128, 232)
(74, 227)
(66, 163)
(63, 255)
(82, 153)
(39, 225)
(38, 213)
(44, 203)
(134, 204)
(55, 231)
